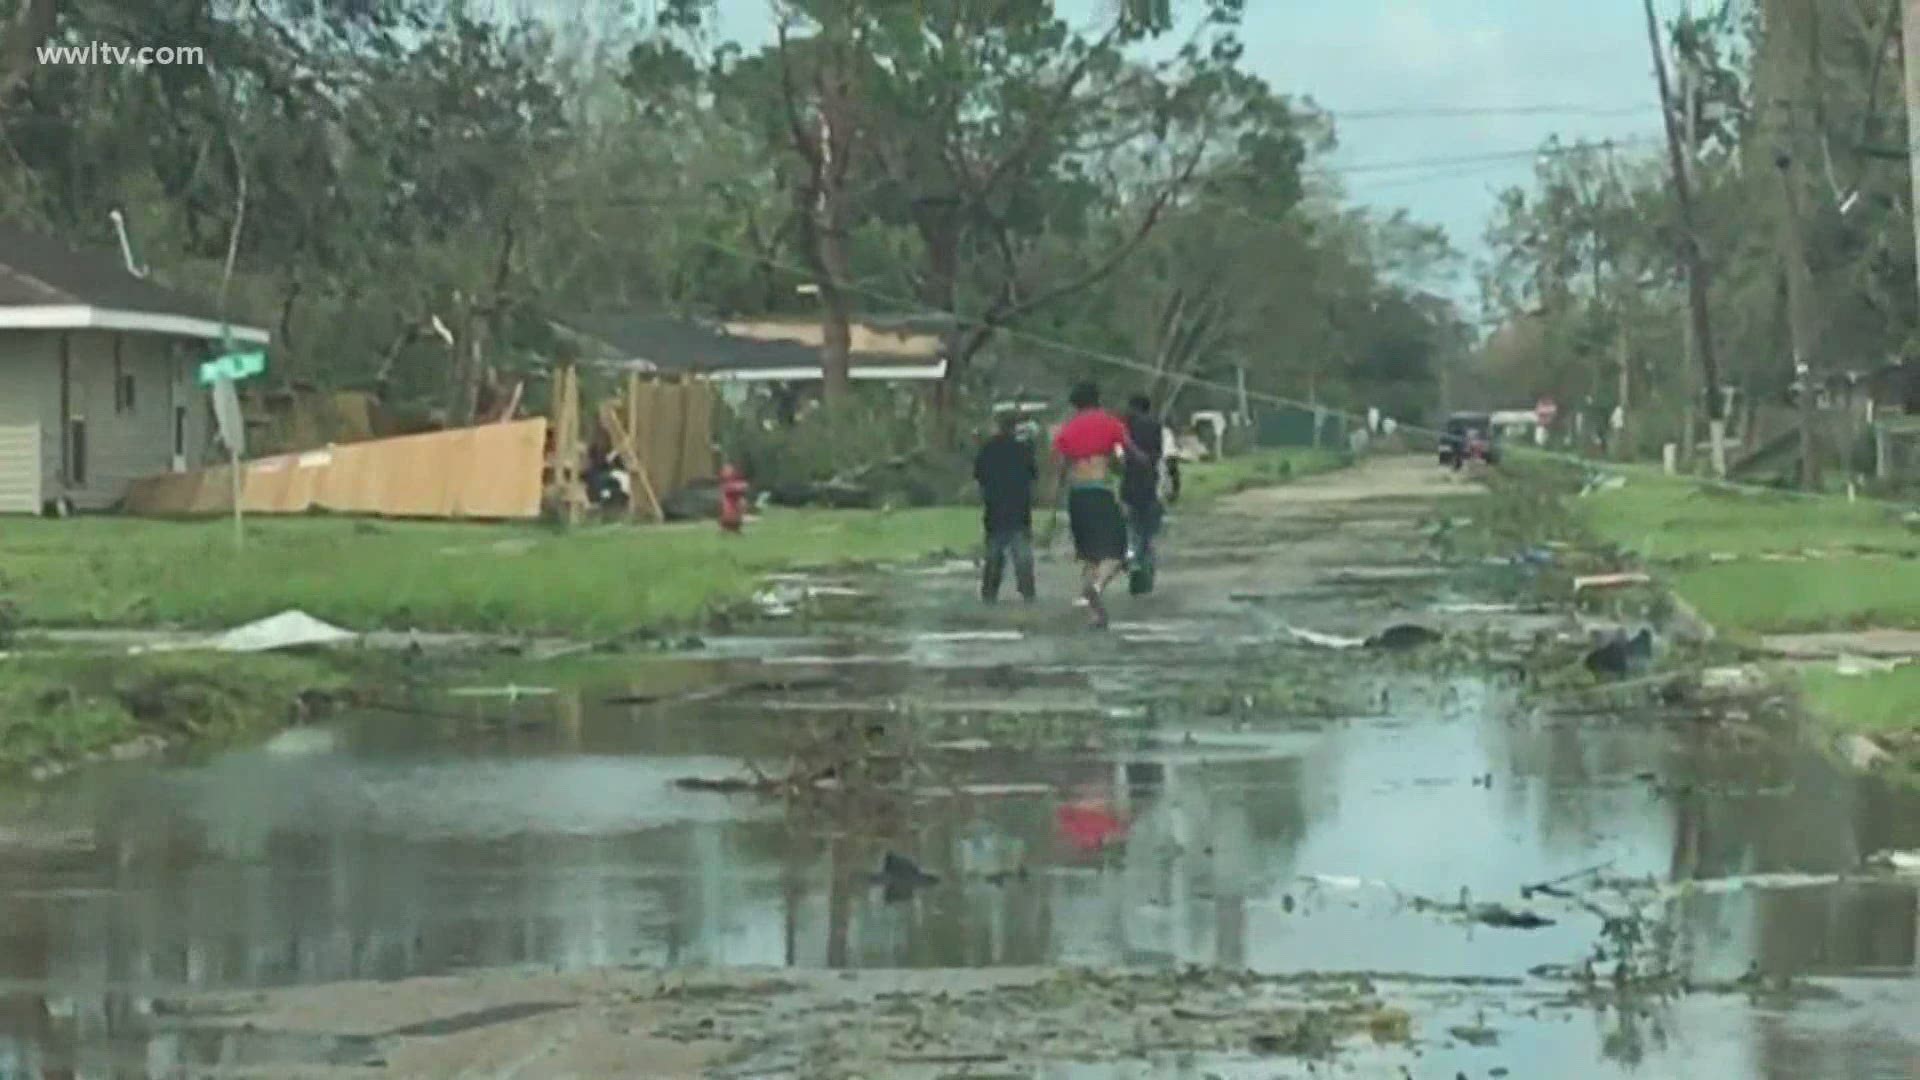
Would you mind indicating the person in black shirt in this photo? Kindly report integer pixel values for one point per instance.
(1005, 470)
(1140, 489)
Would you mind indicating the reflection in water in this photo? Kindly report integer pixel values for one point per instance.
(402, 852)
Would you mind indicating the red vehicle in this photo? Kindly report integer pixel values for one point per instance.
(1468, 437)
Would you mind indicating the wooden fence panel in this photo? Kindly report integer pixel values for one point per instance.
(489, 472)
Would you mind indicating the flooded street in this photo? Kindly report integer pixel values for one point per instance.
(1311, 814)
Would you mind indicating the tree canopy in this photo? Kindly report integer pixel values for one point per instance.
(409, 191)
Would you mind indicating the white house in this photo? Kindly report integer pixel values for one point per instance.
(97, 374)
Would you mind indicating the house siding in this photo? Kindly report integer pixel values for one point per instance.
(124, 443)
(30, 393)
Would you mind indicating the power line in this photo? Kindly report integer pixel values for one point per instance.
(1446, 112)
(1493, 156)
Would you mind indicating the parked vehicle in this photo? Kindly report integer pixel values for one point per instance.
(1469, 437)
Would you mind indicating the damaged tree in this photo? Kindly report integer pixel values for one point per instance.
(997, 134)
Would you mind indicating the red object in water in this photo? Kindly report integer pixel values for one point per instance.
(733, 499)
(1089, 826)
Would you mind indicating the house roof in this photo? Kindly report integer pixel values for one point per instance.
(764, 351)
(46, 285)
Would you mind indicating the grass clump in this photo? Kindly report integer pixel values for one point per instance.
(1881, 703)
(443, 576)
(57, 708)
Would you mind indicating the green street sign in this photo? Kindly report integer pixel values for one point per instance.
(232, 366)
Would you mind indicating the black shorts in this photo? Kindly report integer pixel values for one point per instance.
(1099, 529)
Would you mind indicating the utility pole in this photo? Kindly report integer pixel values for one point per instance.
(1623, 346)
(1910, 46)
(1799, 320)
(1690, 378)
(1693, 263)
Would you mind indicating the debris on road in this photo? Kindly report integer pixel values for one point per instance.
(1620, 655)
(1862, 753)
(1396, 637)
(1404, 636)
(1599, 482)
(1728, 680)
(1900, 862)
(1325, 641)
(510, 692)
(1609, 581)
(900, 877)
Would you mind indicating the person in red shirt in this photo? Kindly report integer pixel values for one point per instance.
(1085, 447)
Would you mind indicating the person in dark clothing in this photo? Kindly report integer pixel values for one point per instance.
(1140, 490)
(1005, 470)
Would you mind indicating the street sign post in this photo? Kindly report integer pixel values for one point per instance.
(220, 374)
(232, 366)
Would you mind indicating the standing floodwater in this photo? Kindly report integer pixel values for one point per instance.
(1287, 809)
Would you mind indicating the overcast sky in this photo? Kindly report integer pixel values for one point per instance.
(1357, 56)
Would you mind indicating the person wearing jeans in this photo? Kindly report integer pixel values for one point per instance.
(1005, 469)
(1140, 490)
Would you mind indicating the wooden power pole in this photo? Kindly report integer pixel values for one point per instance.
(1690, 353)
(1793, 249)
(1693, 262)
(1910, 46)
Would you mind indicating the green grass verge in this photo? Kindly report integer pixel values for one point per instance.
(1790, 597)
(1665, 518)
(1863, 578)
(1205, 481)
(1882, 703)
(1715, 540)
(373, 574)
(57, 708)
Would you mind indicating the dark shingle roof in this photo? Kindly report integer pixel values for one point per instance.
(37, 270)
(676, 344)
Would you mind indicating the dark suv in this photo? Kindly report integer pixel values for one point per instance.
(1467, 436)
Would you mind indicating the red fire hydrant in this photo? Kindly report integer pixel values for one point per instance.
(733, 499)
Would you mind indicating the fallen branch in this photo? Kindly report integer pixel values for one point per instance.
(1550, 887)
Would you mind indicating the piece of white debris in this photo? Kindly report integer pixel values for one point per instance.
(287, 630)
(1900, 862)
(1863, 753)
(1858, 666)
(1326, 641)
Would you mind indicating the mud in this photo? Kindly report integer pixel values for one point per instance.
(1332, 859)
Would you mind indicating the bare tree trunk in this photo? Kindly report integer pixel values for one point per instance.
(827, 247)
(938, 223)
(825, 145)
